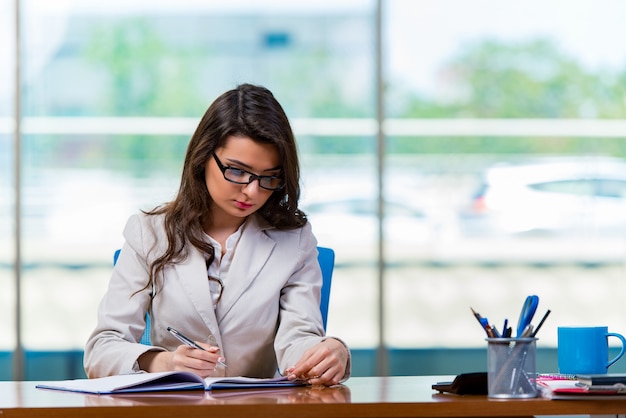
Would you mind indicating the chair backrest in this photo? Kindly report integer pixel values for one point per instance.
(326, 258)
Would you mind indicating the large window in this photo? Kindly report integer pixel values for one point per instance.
(503, 163)
(505, 123)
(111, 96)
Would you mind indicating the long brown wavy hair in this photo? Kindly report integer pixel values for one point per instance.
(250, 111)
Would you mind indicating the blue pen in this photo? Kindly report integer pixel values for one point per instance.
(527, 313)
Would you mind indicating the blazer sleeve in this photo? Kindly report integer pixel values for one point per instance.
(300, 326)
(113, 347)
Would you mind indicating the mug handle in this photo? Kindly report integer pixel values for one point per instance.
(621, 353)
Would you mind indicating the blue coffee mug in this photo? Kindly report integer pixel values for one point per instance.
(585, 350)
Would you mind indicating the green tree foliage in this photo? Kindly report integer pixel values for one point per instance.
(143, 74)
(533, 79)
(147, 75)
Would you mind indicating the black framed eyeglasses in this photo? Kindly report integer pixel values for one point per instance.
(240, 176)
(216, 281)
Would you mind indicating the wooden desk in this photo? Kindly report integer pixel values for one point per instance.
(359, 397)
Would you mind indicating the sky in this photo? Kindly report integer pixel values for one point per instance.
(591, 30)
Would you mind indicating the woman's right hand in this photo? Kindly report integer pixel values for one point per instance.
(202, 362)
(184, 358)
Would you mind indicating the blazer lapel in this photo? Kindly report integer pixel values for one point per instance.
(192, 276)
(251, 254)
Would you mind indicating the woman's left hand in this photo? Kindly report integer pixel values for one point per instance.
(322, 364)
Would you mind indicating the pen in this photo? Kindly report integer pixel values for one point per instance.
(528, 331)
(496, 333)
(187, 341)
(508, 332)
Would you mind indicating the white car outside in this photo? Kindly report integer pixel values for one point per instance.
(580, 196)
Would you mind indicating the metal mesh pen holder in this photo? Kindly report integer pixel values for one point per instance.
(511, 367)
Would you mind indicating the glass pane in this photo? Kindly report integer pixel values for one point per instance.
(75, 207)
(7, 179)
(340, 202)
(7, 243)
(487, 107)
(115, 90)
(489, 59)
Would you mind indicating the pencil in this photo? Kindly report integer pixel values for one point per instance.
(476, 314)
(540, 323)
(484, 323)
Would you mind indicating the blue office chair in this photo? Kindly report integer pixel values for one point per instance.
(326, 258)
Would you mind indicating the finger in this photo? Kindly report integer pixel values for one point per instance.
(193, 359)
(331, 375)
(305, 367)
(325, 365)
(210, 354)
(318, 380)
(329, 378)
(209, 347)
(318, 359)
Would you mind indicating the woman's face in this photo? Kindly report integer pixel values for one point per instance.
(234, 202)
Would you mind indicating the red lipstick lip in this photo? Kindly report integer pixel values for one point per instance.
(242, 205)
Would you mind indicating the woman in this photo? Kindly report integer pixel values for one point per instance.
(231, 262)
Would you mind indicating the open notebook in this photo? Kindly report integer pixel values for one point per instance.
(164, 381)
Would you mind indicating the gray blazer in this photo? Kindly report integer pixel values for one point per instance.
(268, 315)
